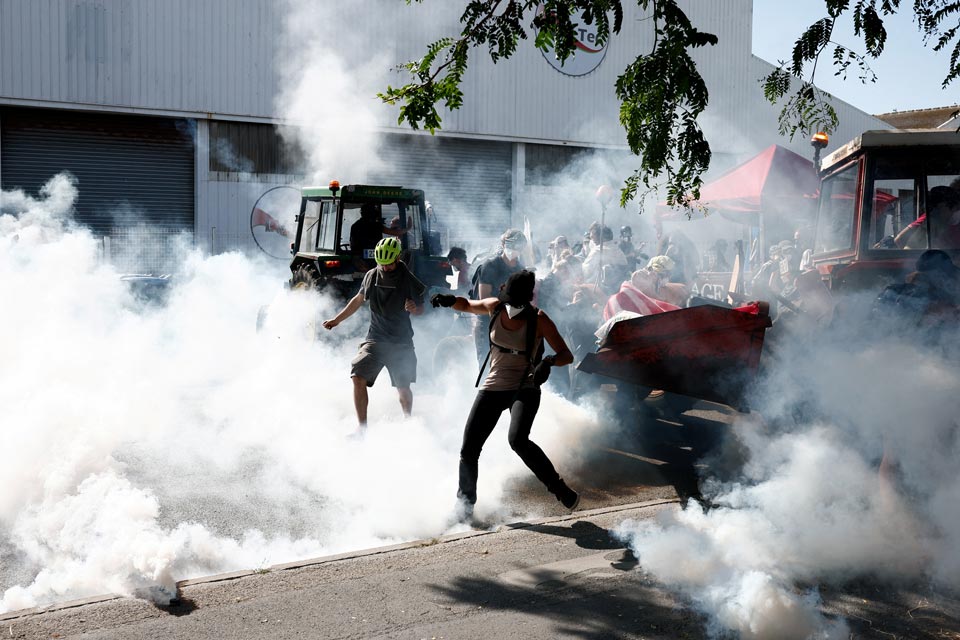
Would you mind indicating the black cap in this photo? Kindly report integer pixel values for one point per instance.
(518, 291)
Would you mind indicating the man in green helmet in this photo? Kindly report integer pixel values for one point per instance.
(394, 294)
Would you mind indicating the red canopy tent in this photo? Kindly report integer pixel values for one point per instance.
(776, 180)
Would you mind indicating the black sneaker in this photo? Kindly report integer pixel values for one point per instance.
(567, 496)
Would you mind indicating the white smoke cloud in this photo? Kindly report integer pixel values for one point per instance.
(331, 68)
(146, 444)
(867, 491)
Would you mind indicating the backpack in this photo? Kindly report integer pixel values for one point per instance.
(474, 283)
(533, 355)
(479, 262)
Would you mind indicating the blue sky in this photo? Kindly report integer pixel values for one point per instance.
(908, 74)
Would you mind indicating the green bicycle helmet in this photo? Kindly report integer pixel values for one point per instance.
(387, 251)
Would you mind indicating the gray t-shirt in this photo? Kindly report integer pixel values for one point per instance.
(387, 292)
(495, 272)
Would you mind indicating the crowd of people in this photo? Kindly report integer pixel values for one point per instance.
(566, 297)
(515, 313)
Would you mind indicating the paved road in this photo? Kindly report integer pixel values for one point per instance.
(561, 578)
(565, 577)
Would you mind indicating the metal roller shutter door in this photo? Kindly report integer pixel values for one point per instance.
(130, 170)
(467, 181)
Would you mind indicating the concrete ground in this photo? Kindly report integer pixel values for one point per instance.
(566, 577)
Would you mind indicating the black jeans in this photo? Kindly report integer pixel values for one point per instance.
(487, 407)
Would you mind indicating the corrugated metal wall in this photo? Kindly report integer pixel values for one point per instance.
(466, 181)
(221, 57)
(184, 55)
(130, 170)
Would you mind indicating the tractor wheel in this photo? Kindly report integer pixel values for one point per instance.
(304, 278)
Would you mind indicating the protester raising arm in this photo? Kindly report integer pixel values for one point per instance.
(487, 306)
(483, 307)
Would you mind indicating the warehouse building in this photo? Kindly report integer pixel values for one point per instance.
(166, 112)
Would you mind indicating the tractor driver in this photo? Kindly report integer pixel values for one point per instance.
(395, 294)
(367, 231)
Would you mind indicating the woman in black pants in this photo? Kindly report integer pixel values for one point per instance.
(513, 383)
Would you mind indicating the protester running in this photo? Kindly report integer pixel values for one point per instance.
(394, 294)
(516, 333)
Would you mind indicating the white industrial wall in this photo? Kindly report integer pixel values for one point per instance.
(217, 58)
(525, 98)
(195, 56)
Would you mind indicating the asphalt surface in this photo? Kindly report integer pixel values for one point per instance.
(565, 575)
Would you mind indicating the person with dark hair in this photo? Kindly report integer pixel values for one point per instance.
(367, 231)
(457, 257)
(395, 294)
(516, 333)
(627, 247)
(928, 298)
(937, 273)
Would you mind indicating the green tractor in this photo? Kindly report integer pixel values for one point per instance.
(323, 257)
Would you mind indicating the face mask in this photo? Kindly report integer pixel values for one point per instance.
(511, 254)
(513, 312)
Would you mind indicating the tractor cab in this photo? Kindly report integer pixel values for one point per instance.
(337, 230)
(885, 197)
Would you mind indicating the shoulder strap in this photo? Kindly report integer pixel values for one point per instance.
(534, 355)
(417, 288)
(493, 318)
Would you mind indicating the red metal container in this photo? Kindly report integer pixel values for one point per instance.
(706, 352)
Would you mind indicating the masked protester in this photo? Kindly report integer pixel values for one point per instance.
(394, 294)
(517, 330)
(491, 274)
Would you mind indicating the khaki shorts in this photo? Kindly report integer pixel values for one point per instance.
(399, 359)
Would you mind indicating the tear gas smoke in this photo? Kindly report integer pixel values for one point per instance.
(808, 507)
(149, 443)
(331, 67)
(811, 507)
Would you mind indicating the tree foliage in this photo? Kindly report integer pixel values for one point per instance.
(661, 92)
(806, 108)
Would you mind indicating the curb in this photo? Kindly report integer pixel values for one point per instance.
(349, 555)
